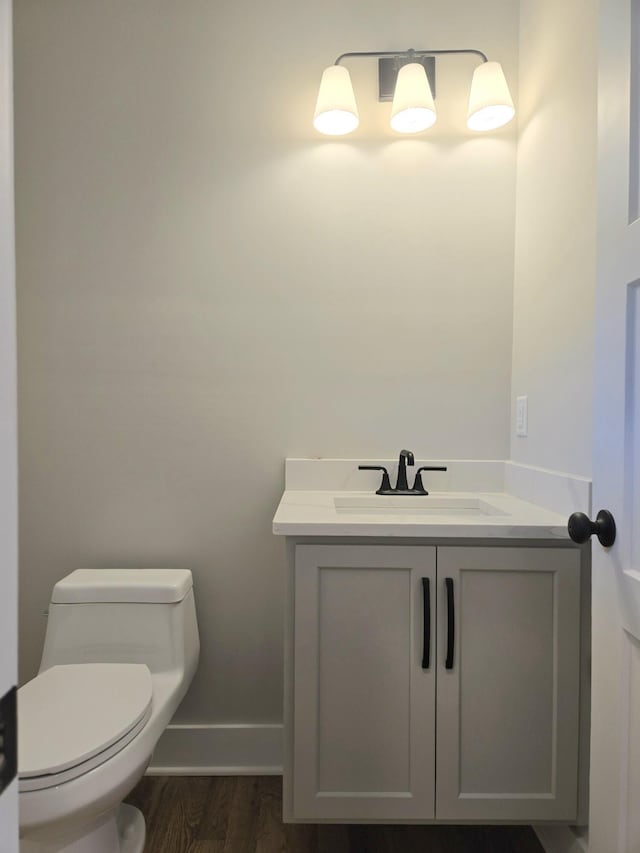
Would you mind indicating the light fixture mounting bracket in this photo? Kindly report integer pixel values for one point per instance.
(390, 61)
(388, 67)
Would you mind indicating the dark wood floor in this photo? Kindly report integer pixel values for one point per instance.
(243, 814)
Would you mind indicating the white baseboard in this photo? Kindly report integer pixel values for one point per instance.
(219, 750)
(560, 839)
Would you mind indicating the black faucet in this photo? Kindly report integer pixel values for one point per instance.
(402, 487)
(418, 488)
(406, 458)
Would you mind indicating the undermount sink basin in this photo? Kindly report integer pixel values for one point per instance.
(414, 505)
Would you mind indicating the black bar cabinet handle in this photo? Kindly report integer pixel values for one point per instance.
(451, 623)
(426, 623)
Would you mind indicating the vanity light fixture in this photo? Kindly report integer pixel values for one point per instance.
(336, 110)
(413, 108)
(408, 79)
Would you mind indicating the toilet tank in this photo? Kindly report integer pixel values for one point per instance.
(124, 616)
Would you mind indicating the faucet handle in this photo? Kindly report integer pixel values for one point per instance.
(385, 485)
(418, 487)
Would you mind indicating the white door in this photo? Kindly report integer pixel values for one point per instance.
(614, 824)
(8, 449)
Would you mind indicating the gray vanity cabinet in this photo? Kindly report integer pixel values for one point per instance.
(508, 709)
(364, 718)
(378, 733)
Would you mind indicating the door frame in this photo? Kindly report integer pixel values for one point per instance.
(8, 413)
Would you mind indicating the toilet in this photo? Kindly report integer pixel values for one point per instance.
(120, 651)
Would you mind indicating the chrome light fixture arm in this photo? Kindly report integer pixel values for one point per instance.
(408, 55)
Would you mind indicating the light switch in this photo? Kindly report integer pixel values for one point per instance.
(521, 416)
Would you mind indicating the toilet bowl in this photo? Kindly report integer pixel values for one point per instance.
(120, 651)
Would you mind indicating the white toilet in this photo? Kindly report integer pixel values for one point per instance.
(120, 651)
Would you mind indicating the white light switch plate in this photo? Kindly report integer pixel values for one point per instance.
(521, 416)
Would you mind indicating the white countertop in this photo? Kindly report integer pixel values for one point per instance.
(314, 513)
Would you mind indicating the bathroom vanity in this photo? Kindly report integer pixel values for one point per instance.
(432, 658)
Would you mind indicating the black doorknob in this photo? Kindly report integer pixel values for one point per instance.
(581, 528)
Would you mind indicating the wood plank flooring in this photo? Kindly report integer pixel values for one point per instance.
(243, 814)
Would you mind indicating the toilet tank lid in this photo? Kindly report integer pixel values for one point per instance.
(149, 586)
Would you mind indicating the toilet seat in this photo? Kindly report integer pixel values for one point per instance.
(75, 717)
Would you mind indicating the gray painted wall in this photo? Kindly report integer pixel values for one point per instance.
(555, 233)
(205, 286)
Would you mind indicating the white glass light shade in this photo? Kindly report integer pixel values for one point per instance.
(413, 108)
(490, 103)
(336, 111)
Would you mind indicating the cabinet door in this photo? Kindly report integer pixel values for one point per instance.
(364, 706)
(507, 709)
